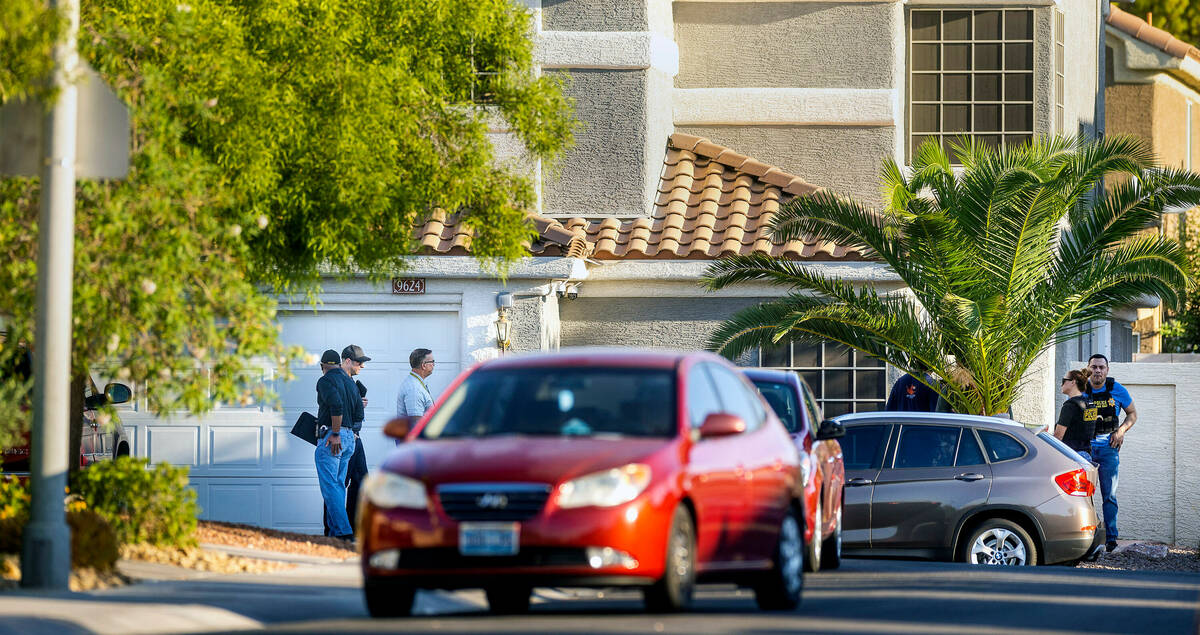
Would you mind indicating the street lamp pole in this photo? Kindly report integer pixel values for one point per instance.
(46, 551)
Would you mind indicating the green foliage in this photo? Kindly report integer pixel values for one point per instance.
(28, 31)
(273, 142)
(14, 499)
(1181, 329)
(1180, 18)
(93, 541)
(1000, 262)
(144, 504)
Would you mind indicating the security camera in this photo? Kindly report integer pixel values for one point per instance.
(572, 293)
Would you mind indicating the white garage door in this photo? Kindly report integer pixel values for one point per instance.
(248, 468)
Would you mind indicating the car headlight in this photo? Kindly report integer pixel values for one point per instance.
(605, 489)
(388, 490)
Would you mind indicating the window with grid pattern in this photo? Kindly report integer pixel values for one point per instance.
(842, 379)
(970, 75)
(1060, 72)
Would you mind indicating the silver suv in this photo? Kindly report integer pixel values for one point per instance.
(960, 487)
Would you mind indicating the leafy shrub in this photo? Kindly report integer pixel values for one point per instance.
(143, 504)
(14, 513)
(93, 541)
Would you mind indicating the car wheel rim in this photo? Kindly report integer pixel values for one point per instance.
(681, 557)
(816, 539)
(837, 542)
(791, 553)
(998, 546)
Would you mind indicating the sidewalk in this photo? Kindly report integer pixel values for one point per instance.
(169, 599)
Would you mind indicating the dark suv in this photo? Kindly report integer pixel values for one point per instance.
(959, 487)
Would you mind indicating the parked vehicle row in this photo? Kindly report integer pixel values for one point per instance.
(661, 470)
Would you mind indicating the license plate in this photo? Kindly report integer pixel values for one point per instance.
(489, 539)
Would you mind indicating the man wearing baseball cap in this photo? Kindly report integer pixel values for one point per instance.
(335, 444)
(353, 361)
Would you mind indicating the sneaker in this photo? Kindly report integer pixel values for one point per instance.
(1110, 545)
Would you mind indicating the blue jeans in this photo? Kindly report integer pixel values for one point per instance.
(1109, 459)
(331, 474)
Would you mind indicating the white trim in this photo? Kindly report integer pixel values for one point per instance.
(607, 50)
(531, 268)
(786, 106)
(692, 270)
(976, 4)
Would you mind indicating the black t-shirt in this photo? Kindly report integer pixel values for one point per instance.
(1078, 416)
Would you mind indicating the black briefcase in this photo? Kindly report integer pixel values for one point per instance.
(306, 427)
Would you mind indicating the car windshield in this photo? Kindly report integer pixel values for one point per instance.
(559, 402)
(783, 401)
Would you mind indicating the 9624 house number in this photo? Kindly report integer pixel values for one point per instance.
(408, 286)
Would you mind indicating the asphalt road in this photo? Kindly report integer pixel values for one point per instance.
(865, 596)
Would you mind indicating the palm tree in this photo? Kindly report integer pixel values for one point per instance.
(1002, 259)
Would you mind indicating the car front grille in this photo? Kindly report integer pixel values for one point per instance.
(493, 501)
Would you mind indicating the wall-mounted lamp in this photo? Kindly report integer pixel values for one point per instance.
(504, 302)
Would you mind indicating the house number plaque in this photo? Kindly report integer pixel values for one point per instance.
(408, 286)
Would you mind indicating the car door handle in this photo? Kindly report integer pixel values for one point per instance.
(972, 476)
(858, 482)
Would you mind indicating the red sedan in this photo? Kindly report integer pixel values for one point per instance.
(823, 470)
(589, 468)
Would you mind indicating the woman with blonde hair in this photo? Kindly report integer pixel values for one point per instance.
(1077, 421)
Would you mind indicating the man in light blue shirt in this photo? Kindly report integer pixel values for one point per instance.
(414, 397)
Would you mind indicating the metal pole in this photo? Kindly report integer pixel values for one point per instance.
(46, 552)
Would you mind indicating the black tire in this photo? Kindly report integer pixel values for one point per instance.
(813, 562)
(780, 588)
(508, 600)
(831, 551)
(1016, 547)
(673, 592)
(386, 598)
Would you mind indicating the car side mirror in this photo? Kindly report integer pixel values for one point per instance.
(830, 429)
(118, 393)
(720, 424)
(399, 427)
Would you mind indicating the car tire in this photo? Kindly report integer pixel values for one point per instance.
(813, 562)
(831, 551)
(508, 600)
(673, 591)
(999, 542)
(780, 587)
(387, 598)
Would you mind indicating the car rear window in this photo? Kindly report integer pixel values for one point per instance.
(968, 450)
(559, 402)
(1000, 446)
(1062, 447)
(783, 401)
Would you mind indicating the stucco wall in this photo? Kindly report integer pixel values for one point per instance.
(843, 159)
(677, 323)
(802, 44)
(1080, 22)
(606, 171)
(1127, 107)
(1159, 487)
(588, 15)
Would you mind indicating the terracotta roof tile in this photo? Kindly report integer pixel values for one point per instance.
(711, 202)
(1156, 37)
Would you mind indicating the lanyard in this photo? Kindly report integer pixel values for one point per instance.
(422, 381)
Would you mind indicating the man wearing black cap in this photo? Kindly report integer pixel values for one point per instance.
(335, 443)
(353, 361)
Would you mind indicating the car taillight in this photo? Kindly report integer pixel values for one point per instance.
(1075, 483)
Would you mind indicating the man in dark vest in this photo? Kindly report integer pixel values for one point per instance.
(1110, 397)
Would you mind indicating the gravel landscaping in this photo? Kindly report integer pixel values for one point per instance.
(1147, 556)
(249, 536)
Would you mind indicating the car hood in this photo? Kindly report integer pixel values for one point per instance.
(516, 458)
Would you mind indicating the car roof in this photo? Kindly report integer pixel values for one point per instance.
(771, 375)
(588, 356)
(930, 417)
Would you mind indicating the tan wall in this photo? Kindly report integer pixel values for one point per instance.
(801, 44)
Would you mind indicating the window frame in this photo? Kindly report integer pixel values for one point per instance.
(891, 465)
(856, 368)
(1003, 135)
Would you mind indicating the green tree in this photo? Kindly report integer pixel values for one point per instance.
(1180, 18)
(1000, 262)
(274, 142)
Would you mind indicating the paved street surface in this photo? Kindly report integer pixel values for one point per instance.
(866, 596)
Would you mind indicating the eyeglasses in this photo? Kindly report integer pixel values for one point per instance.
(429, 361)
(1067, 379)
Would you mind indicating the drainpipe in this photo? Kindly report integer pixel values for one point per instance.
(1102, 67)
